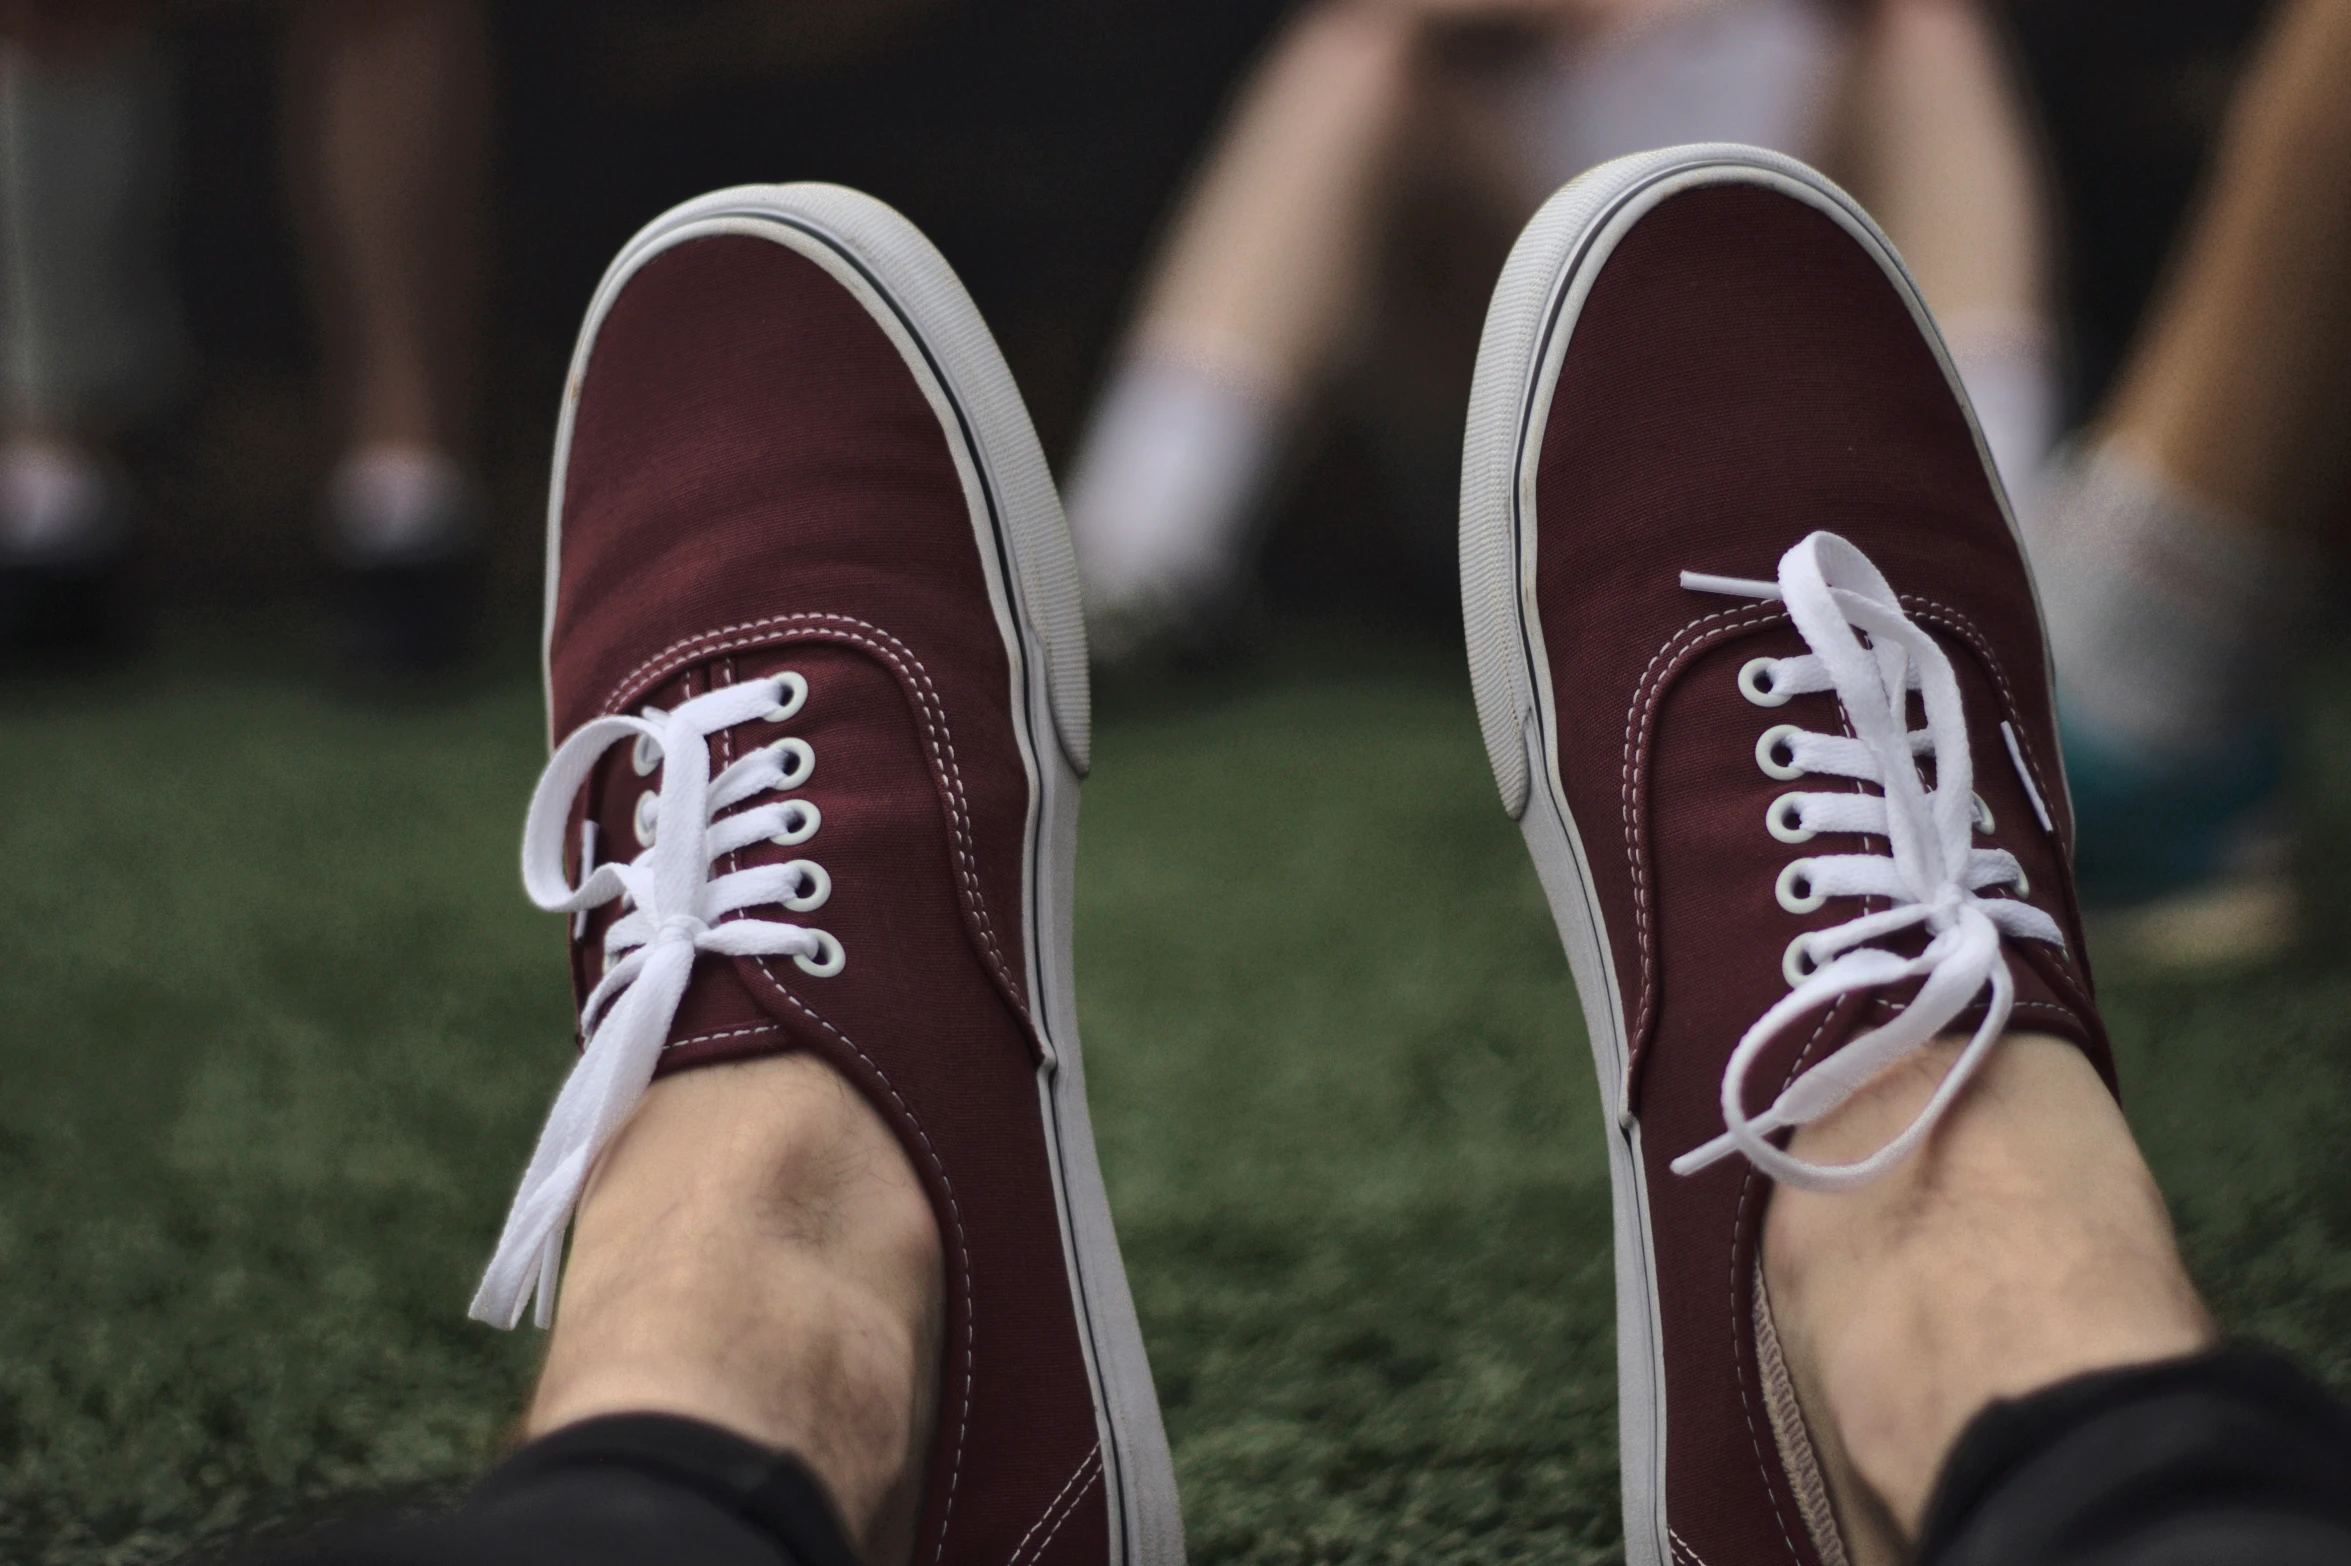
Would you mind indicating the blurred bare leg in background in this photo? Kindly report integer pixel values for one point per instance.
(387, 137)
(88, 334)
(1272, 274)
(2176, 562)
(1262, 282)
(1936, 142)
(2240, 390)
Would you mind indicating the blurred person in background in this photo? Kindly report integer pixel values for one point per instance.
(2181, 551)
(386, 126)
(1340, 240)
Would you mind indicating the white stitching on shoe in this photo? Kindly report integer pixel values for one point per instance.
(1645, 694)
(937, 735)
(1051, 1506)
(1046, 1542)
(1089, 1468)
(729, 1033)
(954, 1211)
(1738, 1220)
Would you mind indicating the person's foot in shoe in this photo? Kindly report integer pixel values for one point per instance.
(818, 681)
(403, 532)
(64, 539)
(1761, 673)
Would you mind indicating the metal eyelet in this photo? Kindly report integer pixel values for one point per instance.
(1796, 964)
(827, 962)
(1783, 818)
(1756, 681)
(2022, 884)
(799, 762)
(805, 818)
(1770, 740)
(1796, 902)
(790, 700)
(815, 886)
(648, 817)
(1983, 815)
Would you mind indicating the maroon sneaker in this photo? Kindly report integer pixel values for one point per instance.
(813, 635)
(1762, 677)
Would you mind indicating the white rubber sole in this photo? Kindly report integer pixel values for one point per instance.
(909, 289)
(1536, 304)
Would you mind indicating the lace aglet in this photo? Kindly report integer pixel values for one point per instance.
(550, 1274)
(1698, 1158)
(579, 921)
(1729, 586)
(492, 1307)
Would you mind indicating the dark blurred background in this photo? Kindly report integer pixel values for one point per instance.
(1039, 143)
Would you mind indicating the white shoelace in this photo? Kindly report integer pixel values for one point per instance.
(1932, 878)
(650, 951)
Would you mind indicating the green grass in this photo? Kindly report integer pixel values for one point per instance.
(278, 1029)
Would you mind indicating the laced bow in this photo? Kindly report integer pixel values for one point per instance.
(650, 951)
(1932, 877)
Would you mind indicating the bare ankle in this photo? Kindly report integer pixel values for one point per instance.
(2024, 1244)
(755, 1251)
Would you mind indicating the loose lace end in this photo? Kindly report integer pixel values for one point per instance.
(520, 1276)
(1706, 1157)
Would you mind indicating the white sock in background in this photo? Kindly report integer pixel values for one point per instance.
(2169, 621)
(2008, 365)
(1165, 484)
(399, 504)
(58, 508)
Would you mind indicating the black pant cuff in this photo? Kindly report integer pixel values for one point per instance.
(774, 1492)
(2080, 1469)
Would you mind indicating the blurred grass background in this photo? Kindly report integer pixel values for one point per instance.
(279, 1028)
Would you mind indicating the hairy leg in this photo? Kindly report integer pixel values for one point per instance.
(2024, 1244)
(1264, 280)
(1265, 269)
(756, 1252)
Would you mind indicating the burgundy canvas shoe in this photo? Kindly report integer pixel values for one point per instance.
(1762, 676)
(815, 664)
